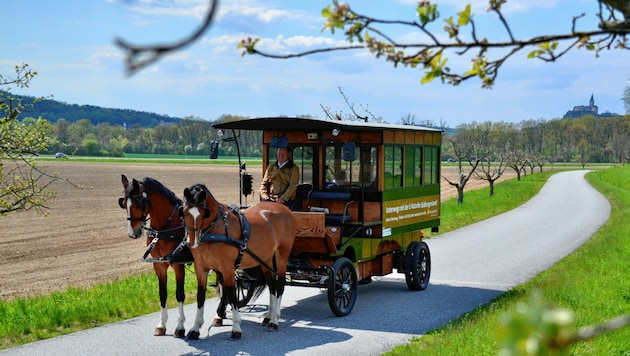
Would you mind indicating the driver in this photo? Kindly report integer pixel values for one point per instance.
(281, 178)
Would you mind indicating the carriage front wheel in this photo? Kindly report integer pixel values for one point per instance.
(342, 286)
(244, 292)
(417, 265)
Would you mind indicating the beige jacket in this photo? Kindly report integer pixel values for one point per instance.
(280, 182)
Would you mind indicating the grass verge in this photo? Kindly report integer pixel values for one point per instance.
(594, 282)
(26, 320)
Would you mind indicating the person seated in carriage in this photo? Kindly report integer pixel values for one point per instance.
(339, 180)
(281, 179)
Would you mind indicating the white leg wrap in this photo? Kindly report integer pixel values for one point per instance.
(274, 309)
(236, 320)
(182, 318)
(163, 318)
(198, 320)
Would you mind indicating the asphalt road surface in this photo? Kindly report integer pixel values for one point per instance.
(470, 267)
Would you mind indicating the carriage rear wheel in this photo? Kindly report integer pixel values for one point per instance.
(417, 265)
(342, 287)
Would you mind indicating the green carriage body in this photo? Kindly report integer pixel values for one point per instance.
(392, 193)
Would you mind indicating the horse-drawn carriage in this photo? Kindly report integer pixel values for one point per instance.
(370, 225)
(332, 236)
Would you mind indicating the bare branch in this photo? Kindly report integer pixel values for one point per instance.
(139, 57)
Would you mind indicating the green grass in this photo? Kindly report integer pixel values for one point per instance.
(30, 319)
(594, 282)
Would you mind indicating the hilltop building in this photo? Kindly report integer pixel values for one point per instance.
(590, 109)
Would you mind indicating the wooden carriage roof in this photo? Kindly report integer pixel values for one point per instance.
(308, 124)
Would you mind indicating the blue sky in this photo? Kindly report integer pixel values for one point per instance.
(70, 44)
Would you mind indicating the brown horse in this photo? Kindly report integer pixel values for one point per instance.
(151, 199)
(223, 238)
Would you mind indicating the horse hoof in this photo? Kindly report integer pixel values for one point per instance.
(265, 321)
(193, 335)
(179, 333)
(236, 335)
(217, 321)
(159, 332)
(272, 327)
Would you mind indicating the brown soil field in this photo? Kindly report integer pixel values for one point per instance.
(83, 239)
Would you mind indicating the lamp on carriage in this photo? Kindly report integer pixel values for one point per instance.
(220, 133)
(336, 132)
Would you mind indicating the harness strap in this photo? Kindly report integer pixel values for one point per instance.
(168, 234)
(242, 243)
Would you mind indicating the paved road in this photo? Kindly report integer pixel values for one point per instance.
(470, 267)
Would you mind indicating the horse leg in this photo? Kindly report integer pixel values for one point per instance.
(202, 280)
(160, 271)
(180, 294)
(237, 332)
(276, 289)
(221, 310)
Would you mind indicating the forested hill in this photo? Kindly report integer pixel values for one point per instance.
(53, 110)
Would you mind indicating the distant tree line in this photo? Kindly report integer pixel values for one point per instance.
(188, 136)
(529, 143)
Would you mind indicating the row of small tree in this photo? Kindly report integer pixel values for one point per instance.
(485, 150)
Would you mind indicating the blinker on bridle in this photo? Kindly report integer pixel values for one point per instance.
(142, 200)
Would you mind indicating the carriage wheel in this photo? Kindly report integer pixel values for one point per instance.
(244, 291)
(342, 287)
(417, 265)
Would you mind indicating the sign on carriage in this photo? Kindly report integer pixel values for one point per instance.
(408, 211)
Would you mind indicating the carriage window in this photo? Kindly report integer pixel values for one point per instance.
(369, 167)
(334, 163)
(413, 166)
(393, 166)
(360, 172)
(432, 165)
(303, 158)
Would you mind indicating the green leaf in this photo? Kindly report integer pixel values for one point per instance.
(464, 16)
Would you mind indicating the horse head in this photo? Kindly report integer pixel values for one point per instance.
(195, 212)
(136, 203)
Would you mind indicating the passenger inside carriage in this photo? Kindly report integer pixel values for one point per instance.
(339, 180)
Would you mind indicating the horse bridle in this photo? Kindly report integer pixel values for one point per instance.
(201, 230)
(142, 200)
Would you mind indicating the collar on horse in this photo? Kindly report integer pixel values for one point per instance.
(207, 236)
(172, 234)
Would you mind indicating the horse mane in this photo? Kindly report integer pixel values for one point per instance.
(152, 185)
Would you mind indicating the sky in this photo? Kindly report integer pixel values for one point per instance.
(70, 44)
